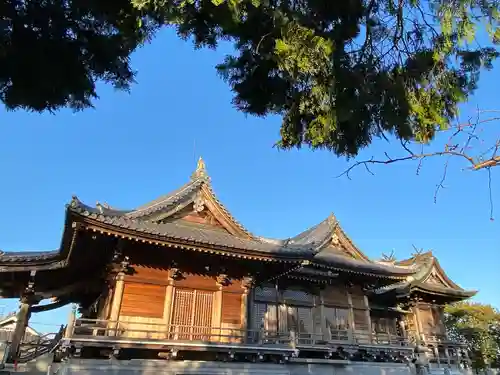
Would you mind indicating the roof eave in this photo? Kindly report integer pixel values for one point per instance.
(43, 260)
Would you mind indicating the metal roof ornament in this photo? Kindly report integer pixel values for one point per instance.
(201, 170)
(389, 258)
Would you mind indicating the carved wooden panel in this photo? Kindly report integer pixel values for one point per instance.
(231, 308)
(146, 300)
(197, 282)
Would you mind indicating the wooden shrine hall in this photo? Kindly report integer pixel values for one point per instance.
(180, 278)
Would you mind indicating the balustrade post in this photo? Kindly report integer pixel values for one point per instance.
(447, 354)
(467, 358)
(436, 354)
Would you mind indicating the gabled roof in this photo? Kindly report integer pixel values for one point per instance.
(429, 278)
(198, 189)
(156, 222)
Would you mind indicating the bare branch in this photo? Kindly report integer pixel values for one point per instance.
(463, 143)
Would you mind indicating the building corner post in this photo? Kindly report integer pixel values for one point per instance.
(23, 317)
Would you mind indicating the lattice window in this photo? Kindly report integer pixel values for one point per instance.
(265, 294)
(192, 314)
(298, 296)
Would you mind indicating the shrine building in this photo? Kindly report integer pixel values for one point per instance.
(179, 286)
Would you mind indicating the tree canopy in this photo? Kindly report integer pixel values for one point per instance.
(339, 73)
(478, 326)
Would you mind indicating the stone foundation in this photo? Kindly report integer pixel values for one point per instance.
(154, 367)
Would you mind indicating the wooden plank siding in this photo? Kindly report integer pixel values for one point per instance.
(199, 282)
(144, 300)
(335, 296)
(148, 275)
(231, 308)
(195, 307)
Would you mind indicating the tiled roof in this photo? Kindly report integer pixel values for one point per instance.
(305, 246)
(28, 256)
(331, 257)
(313, 244)
(423, 263)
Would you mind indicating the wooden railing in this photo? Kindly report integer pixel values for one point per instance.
(118, 330)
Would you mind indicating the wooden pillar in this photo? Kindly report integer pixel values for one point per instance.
(418, 321)
(447, 354)
(402, 326)
(352, 325)
(116, 302)
(167, 308)
(71, 323)
(217, 311)
(436, 355)
(277, 301)
(368, 318)
(325, 334)
(23, 316)
(246, 307)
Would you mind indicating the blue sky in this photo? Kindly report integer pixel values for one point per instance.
(135, 147)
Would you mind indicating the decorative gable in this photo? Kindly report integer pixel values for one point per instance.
(436, 279)
(344, 246)
(195, 213)
(195, 202)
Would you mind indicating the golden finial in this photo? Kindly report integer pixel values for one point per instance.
(201, 165)
(200, 169)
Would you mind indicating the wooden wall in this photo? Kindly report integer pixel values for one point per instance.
(198, 307)
(322, 315)
(431, 319)
(155, 306)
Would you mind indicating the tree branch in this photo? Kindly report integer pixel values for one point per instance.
(459, 145)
